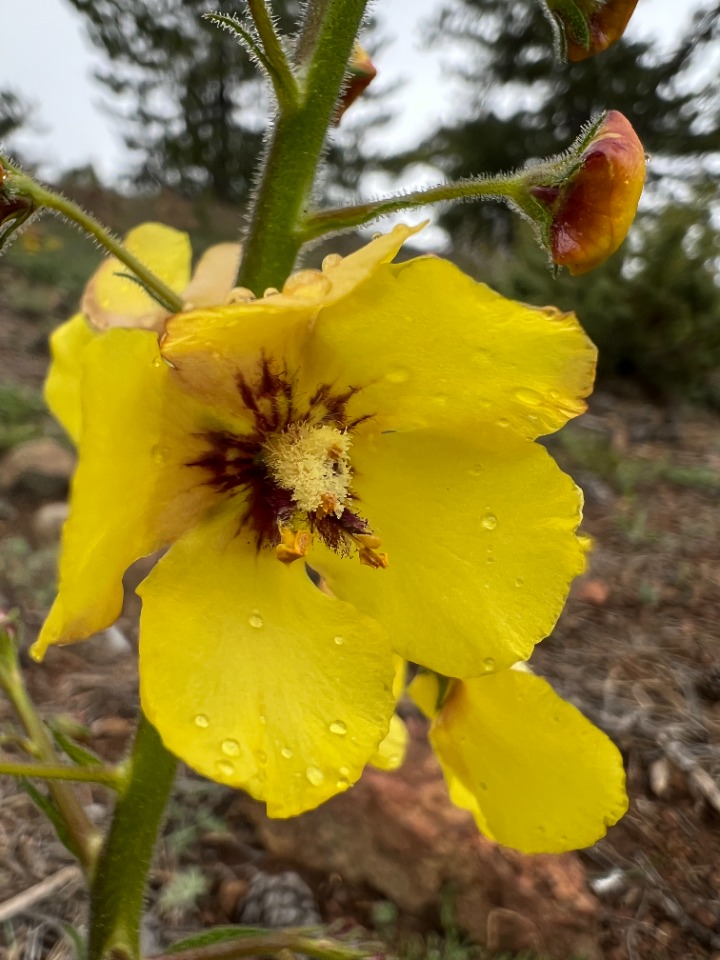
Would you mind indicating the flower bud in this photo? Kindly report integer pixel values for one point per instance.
(361, 72)
(591, 26)
(15, 208)
(592, 207)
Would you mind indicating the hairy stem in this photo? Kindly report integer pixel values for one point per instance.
(116, 897)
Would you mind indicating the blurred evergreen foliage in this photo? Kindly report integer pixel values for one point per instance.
(192, 104)
(14, 113)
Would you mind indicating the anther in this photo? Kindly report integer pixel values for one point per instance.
(293, 546)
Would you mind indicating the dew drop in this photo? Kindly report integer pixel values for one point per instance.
(157, 362)
(519, 582)
(231, 748)
(286, 753)
(529, 397)
(338, 728)
(488, 664)
(338, 641)
(200, 720)
(255, 620)
(315, 776)
(398, 375)
(225, 768)
(262, 719)
(261, 757)
(342, 784)
(503, 422)
(489, 521)
(345, 771)
(160, 453)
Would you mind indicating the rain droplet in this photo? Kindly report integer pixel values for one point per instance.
(488, 664)
(338, 727)
(255, 620)
(519, 582)
(315, 776)
(345, 771)
(157, 362)
(489, 521)
(160, 453)
(262, 719)
(200, 720)
(225, 768)
(231, 748)
(342, 784)
(529, 397)
(503, 422)
(398, 375)
(261, 757)
(286, 753)
(338, 641)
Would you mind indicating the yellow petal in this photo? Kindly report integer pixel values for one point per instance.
(131, 492)
(534, 772)
(112, 300)
(214, 276)
(62, 386)
(479, 529)
(255, 677)
(391, 752)
(428, 346)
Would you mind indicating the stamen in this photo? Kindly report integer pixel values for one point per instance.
(312, 462)
(368, 552)
(294, 545)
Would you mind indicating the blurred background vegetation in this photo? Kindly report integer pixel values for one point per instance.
(192, 111)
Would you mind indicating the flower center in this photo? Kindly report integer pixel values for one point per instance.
(312, 463)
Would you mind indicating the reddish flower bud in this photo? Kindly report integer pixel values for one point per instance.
(592, 209)
(606, 24)
(361, 73)
(15, 208)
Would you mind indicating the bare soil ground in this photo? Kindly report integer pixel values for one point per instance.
(638, 649)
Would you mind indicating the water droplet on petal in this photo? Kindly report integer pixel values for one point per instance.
(255, 620)
(160, 454)
(488, 664)
(157, 361)
(345, 771)
(397, 375)
(225, 768)
(200, 720)
(286, 753)
(503, 422)
(231, 748)
(338, 728)
(261, 757)
(339, 641)
(489, 521)
(342, 784)
(262, 719)
(519, 582)
(315, 776)
(529, 397)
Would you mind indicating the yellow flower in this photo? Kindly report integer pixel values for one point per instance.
(368, 429)
(532, 770)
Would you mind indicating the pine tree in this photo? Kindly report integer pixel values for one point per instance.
(524, 103)
(193, 103)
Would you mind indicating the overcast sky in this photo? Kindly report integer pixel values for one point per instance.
(46, 57)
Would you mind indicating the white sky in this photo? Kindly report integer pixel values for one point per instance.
(46, 57)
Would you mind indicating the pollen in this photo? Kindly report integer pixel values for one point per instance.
(312, 462)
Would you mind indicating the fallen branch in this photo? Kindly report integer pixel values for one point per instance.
(41, 891)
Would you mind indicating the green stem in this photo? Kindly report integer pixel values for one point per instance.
(84, 836)
(43, 771)
(267, 944)
(509, 187)
(284, 82)
(116, 897)
(275, 234)
(25, 186)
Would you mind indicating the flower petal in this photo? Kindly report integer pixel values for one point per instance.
(132, 492)
(480, 534)
(214, 276)
(62, 386)
(113, 300)
(428, 345)
(255, 677)
(533, 771)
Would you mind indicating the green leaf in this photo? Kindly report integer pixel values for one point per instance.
(47, 807)
(219, 935)
(79, 755)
